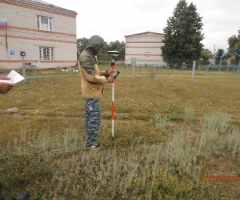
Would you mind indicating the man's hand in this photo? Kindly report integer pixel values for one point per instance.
(5, 87)
(110, 79)
(4, 78)
(111, 72)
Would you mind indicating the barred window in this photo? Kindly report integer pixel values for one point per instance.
(44, 23)
(46, 53)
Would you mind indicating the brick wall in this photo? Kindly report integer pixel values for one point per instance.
(22, 34)
(145, 47)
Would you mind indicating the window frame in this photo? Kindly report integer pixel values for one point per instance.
(49, 57)
(41, 24)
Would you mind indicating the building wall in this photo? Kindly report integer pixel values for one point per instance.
(22, 34)
(145, 48)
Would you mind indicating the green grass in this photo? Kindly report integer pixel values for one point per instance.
(168, 134)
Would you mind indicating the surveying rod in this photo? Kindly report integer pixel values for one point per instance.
(114, 54)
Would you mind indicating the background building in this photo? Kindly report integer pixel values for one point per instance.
(46, 33)
(145, 48)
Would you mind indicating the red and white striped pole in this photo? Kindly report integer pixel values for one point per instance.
(113, 53)
(113, 68)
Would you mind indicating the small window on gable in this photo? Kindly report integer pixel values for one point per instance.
(44, 23)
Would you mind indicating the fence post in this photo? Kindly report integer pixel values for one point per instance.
(22, 53)
(133, 62)
(193, 71)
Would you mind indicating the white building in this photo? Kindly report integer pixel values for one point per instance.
(45, 32)
(145, 48)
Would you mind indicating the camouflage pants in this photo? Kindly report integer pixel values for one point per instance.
(2, 195)
(92, 120)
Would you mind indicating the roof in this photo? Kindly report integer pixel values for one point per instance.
(46, 4)
(143, 33)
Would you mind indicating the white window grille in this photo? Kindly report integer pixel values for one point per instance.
(44, 23)
(46, 53)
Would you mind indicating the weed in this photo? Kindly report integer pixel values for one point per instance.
(160, 122)
(188, 115)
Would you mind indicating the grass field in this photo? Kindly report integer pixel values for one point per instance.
(174, 139)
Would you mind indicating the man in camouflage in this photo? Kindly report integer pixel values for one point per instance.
(92, 81)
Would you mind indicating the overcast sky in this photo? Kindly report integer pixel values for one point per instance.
(114, 19)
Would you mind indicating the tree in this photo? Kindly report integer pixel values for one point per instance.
(219, 54)
(117, 46)
(183, 35)
(234, 47)
(232, 41)
(205, 56)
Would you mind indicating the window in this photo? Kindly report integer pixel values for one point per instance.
(44, 23)
(46, 53)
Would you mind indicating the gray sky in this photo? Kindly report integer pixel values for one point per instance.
(112, 19)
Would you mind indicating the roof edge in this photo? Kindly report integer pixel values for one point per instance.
(43, 4)
(145, 33)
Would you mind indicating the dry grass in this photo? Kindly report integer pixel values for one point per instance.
(49, 124)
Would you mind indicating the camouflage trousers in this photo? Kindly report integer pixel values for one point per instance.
(92, 120)
(3, 196)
